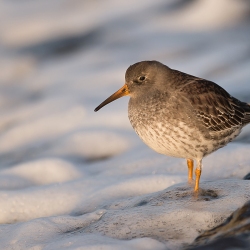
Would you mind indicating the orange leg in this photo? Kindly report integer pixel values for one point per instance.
(197, 179)
(197, 175)
(190, 164)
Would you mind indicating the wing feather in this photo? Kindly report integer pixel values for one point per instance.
(214, 107)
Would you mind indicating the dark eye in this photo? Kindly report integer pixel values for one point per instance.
(142, 78)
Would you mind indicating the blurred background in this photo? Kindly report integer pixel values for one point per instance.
(59, 59)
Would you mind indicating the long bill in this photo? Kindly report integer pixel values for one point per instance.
(119, 93)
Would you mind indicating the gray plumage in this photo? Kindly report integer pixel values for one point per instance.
(171, 97)
(178, 114)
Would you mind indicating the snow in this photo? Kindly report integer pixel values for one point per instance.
(71, 178)
(173, 215)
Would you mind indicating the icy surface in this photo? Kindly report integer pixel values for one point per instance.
(173, 216)
(74, 179)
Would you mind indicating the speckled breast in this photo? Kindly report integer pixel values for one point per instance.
(170, 133)
(162, 131)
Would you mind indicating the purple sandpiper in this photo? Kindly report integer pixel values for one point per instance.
(180, 115)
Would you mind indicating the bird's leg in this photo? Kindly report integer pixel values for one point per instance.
(197, 175)
(190, 164)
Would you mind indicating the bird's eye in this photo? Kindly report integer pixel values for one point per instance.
(142, 78)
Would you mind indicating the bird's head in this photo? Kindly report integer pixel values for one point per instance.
(141, 78)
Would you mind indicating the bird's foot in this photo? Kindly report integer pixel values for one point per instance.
(197, 193)
(204, 194)
(191, 182)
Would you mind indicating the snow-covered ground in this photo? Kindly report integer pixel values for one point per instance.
(74, 179)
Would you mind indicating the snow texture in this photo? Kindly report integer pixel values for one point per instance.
(74, 179)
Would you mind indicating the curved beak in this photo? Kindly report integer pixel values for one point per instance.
(119, 93)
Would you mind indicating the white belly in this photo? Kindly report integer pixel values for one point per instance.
(179, 141)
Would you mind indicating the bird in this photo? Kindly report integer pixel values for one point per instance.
(180, 115)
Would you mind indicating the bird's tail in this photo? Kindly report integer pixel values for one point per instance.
(247, 113)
